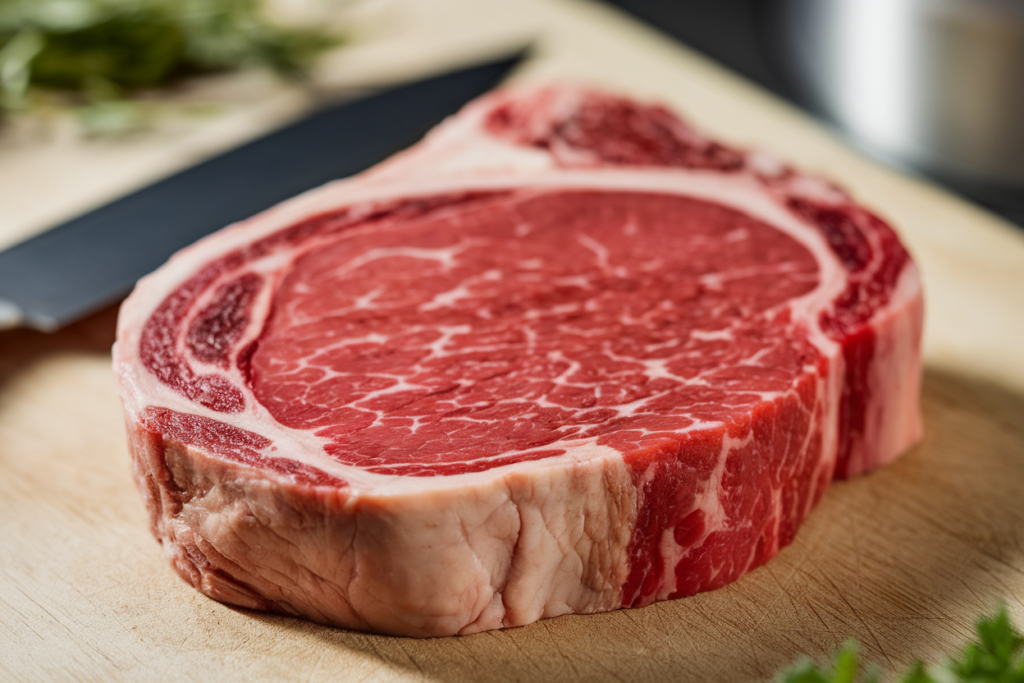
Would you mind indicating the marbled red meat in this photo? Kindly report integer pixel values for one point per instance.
(564, 355)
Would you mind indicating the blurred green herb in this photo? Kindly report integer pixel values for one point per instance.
(99, 52)
(997, 656)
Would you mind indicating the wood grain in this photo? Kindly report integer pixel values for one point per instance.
(903, 559)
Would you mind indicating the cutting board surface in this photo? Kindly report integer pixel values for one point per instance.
(903, 559)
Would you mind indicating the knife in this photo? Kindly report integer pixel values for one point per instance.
(93, 260)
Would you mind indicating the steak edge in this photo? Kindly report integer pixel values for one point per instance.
(565, 355)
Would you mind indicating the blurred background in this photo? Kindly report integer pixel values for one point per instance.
(934, 87)
(931, 87)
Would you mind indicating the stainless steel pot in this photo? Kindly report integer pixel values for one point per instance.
(937, 85)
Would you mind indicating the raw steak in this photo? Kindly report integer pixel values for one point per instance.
(564, 355)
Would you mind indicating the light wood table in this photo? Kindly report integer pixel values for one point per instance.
(903, 559)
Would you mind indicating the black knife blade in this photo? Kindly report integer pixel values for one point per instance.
(94, 259)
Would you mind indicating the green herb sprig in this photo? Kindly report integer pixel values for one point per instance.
(997, 656)
(97, 52)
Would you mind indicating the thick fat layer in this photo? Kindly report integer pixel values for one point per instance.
(522, 547)
(252, 513)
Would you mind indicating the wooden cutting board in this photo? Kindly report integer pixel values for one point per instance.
(903, 559)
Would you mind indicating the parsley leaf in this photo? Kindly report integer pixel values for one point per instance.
(845, 668)
(997, 656)
(100, 51)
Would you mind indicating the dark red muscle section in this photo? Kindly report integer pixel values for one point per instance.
(874, 270)
(496, 332)
(602, 129)
(159, 352)
(229, 442)
(217, 328)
